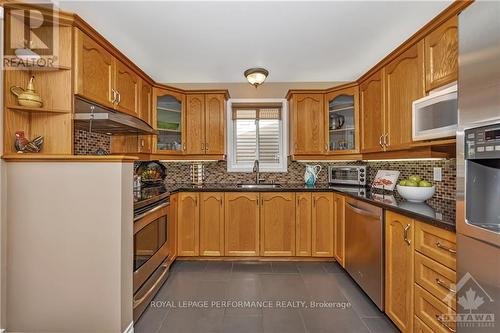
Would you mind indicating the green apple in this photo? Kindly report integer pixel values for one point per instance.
(411, 183)
(415, 178)
(403, 182)
(424, 183)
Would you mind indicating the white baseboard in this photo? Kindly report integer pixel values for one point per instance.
(129, 329)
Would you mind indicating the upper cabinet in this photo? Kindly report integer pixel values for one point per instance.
(404, 83)
(372, 111)
(169, 120)
(441, 55)
(127, 87)
(342, 120)
(145, 106)
(195, 119)
(307, 124)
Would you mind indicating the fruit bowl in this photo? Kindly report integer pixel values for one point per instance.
(416, 194)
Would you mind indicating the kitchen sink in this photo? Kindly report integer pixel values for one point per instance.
(261, 185)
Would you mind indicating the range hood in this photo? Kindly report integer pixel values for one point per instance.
(95, 118)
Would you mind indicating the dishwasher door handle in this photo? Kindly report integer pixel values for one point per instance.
(362, 211)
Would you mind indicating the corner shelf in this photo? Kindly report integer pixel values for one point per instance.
(33, 109)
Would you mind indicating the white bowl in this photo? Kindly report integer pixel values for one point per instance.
(416, 194)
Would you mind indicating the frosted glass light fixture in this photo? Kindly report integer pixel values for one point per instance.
(256, 76)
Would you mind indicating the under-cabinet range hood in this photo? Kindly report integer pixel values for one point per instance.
(95, 118)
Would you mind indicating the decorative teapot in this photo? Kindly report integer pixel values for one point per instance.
(311, 174)
(27, 97)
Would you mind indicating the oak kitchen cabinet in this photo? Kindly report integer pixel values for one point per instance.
(303, 223)
(404, 83)
(277, 224)
(188, 224)
(102, 78)
(169, 119)
(307, 124)
(372, 113)
(399, 244)
(441, 55)
(211, 224)
(322, 232)
(205, 114)
(241, 217)
(172, 225)
(342, 121)
(339, 229)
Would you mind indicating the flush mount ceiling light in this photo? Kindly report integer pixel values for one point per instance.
(256, 76)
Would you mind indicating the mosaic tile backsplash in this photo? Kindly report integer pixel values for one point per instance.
(216, 172)
(86, 143)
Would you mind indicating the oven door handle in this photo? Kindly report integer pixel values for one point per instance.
(163, 205)
(153, 287)
(362, 211)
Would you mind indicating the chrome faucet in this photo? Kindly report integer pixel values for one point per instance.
(257, 171)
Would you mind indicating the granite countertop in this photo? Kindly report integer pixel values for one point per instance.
(436, 211)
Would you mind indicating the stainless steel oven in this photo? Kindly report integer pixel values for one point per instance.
(151, 252)
(347, 174)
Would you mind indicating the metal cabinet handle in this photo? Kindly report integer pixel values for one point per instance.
(386, 140)
(202, 146)
(119, 98)
(380, 141)
(113, 95)
(362, 211)
(206, 146)
(438, 318)
(443, 285)
(442, 247)
(405, 234)
(184, 147)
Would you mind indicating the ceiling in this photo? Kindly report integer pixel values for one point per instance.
(297, 41)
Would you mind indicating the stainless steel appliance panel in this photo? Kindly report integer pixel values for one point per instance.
(347, 174)
(365, 248)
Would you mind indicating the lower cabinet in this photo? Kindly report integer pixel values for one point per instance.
(322, 225)
(172, 226)
(212, 224)
(277, 224)
(399, 270)
(339, 229)
(241, 217)
(303, 216)
(188, 233)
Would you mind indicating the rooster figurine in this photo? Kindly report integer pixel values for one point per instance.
(24, 146)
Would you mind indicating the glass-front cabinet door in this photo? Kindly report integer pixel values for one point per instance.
(343, 121)
(170, 121)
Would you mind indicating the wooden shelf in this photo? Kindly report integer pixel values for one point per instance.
(167, 109)
(342, 129)
(168, 130)
(345, 108)
(42, 109)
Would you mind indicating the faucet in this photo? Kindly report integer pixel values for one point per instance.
(257, 171)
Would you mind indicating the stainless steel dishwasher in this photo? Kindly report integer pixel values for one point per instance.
(365, 247)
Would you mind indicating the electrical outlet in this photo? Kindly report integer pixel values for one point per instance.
(438, 174)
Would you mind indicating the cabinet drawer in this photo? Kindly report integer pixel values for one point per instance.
(420, 327)
(433, 312)
(436, 279)
(436, 243)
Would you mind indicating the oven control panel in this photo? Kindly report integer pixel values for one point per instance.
(482, 142)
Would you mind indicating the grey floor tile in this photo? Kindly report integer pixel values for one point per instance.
(253, 266)
(380, 325)
(323, 287)
(333, 267)
(184, 320)
(333, 321)
(283, 286)
(311, 267)
(189, 266)
(219, 266)
(360, 302)
(283, 321)
(242, 324)
(244, 290)
(284, 267)
(211, 290)
(151, 320)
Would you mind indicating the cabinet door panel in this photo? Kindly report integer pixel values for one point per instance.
(277, 229)
(172, 225)
(441, 55)
(399, 270)
(303, 224)
(127, 85)
(322, 225)
(215, 107)
(212, 224)
(195, 122)
(339, 228)
(146, 99)
(308, 123)
(241, 218)
(94, 70)
(188, 218)
(372, 113)
(404, 83)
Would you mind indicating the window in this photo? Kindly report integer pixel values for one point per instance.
(256, 132)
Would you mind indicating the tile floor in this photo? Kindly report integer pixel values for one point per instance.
(267, 282)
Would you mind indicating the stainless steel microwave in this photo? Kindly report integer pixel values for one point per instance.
(347, 174)
(435, 116)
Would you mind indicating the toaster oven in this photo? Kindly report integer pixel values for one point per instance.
(347, 174)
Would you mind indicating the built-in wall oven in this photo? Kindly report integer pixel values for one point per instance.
(152, 253)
